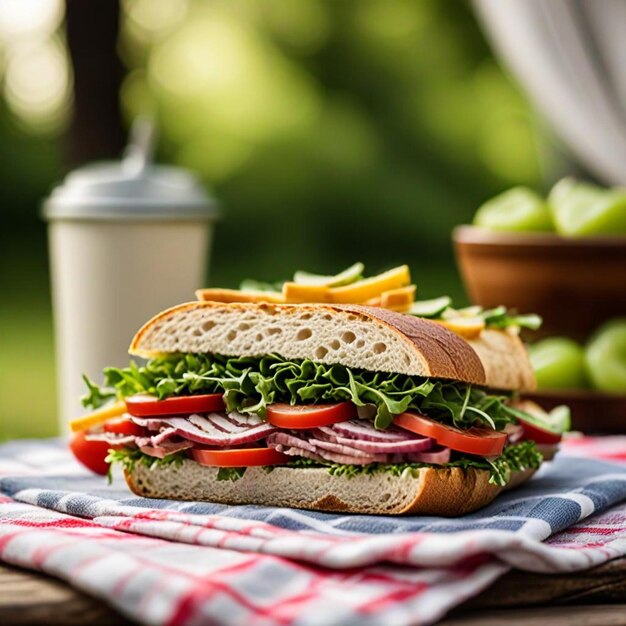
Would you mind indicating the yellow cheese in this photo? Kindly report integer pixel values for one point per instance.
(363, 290)
(299, 293)
(399, 299)
(98, 417)
(466, 327)
(235, 295)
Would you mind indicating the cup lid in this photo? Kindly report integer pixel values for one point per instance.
(133, 188)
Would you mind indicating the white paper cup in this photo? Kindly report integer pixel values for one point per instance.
(122, 249)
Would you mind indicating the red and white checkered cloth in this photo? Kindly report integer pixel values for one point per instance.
(162, 562)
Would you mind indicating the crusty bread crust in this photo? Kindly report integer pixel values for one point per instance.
(505, 360)
(446, 352)
(342, 334)
(448, 492)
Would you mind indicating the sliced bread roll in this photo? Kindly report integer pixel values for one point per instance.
(352, 335)
(448, 492)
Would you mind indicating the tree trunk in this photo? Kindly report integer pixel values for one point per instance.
(96, 130)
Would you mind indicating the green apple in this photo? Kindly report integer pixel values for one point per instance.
(518, 209)
(580, 209)
(606, 357)
(559, 363)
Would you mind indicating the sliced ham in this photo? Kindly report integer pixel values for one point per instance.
(310, 449)
(112, 438)
(339, 448)
(414, 444)
(164, 435)
(365, 431)
(168, 447)
(309, 446)
(244, 419)
(282, 438)
(322, 456)
(151, 423)
(210, 436)
(221, 422)
(347, 459)
(296, 451)
(437, 456)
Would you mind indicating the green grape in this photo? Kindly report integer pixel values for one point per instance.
(559, 363)
(581, 209)
(606, 357)
(518, 209)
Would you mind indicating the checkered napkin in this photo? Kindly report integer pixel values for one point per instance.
(165, 562)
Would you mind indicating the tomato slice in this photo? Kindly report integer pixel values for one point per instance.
(123, 426)
(537, 434)
(243, 457)
(479, 441)
(90, 453)
(147, 406)
(540, 426)
(309, 415)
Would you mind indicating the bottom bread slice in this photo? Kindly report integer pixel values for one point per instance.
(426, 491)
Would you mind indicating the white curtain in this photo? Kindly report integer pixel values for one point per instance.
(570, 56)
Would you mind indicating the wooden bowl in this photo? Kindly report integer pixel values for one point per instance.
(574, 284)
(592, 411)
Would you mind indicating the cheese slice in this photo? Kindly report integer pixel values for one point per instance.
(98, 417)
(363, 290)
(395, 283)
(466, 327)
(298, 293)
(399, 299)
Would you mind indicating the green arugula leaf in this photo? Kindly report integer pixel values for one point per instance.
(96, 396)
(498, 317)
(130, 457)
(250, 384)
(230, 473)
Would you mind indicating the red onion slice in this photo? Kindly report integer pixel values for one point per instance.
(417, 444)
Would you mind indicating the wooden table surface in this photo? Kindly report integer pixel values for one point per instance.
(593, 598)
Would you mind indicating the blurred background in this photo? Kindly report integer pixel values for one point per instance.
(330, 132)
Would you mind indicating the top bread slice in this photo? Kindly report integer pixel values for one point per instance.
(356, 336)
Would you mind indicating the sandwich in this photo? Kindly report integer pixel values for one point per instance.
(325, 406)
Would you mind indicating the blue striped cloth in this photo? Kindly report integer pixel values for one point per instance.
(187, 563)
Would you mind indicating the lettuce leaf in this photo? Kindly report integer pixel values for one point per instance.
(250, 384)
(498, 317)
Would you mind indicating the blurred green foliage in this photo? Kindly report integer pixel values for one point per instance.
(330, 131)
